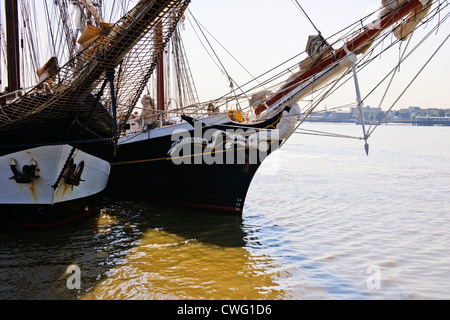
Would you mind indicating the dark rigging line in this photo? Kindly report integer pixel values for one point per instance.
(225, 49)
(411, 82)
(214, 52)
(307, 17)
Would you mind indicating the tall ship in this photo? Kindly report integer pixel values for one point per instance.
(98, 124)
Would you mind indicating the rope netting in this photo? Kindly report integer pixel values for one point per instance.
(130, 48)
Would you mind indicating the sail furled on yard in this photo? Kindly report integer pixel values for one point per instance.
(128, 48)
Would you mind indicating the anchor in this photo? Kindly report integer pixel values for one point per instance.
(72, 175)
(28, 173)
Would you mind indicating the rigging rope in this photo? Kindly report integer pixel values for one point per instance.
(223, 69)
(307, 17)
(396, 70)
(402, 59)
(58, 143)
(369, 56)
(326, 134)
(225, 49)
(410, 83)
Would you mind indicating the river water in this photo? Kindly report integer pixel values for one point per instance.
(321, 221)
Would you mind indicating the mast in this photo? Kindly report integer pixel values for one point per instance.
(12, 39)
(160, 70)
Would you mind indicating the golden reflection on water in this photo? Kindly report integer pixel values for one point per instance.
(105, 222)
(165, 265)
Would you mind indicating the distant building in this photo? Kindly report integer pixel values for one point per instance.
(370, 114)
(367, 109)
(331, 116)
(414, 109)
(404, 114)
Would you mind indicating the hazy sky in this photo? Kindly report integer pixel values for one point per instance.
(262, 34)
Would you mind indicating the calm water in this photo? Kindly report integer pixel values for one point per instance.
(322, 221)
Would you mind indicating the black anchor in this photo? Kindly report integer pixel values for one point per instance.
(72, 175)
(28, 172)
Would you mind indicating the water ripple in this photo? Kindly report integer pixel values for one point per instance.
(318, 217)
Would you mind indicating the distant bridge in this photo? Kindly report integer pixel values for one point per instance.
(431, 121)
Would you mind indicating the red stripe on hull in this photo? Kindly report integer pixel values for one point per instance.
(193, 205)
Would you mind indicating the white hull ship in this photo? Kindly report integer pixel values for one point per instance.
(40, 189)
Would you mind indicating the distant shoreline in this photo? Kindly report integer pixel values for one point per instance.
(355, 122)
(414, 122)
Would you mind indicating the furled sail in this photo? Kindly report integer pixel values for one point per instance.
(48, 69)
(92, 33)
(414, 18)
(316, 48)
(405, 28)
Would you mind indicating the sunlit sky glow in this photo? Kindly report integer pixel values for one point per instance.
(262, 34)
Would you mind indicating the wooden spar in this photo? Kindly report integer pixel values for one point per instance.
(12, 38)
(360, 40)
(360, 106)
(160, 71)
